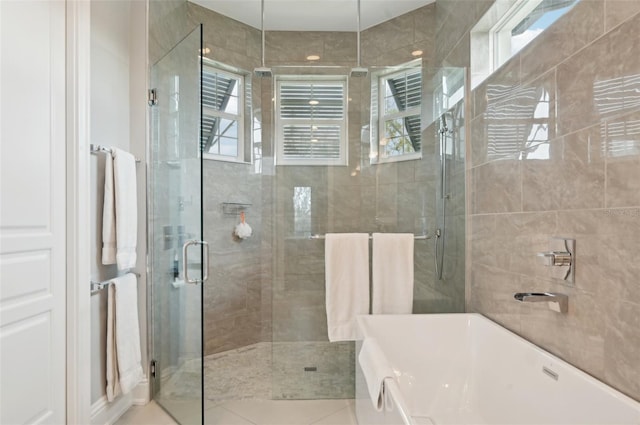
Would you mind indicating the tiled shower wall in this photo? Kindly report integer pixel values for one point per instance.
(581, 181)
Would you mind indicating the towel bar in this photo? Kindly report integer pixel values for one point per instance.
(416, 237)
(99, 286)
(100, 148)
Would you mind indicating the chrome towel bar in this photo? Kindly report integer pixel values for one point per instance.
(99, 286)
(416, 237)
(99, 148)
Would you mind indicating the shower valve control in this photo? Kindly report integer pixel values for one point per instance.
(562, 254)
(555, 258)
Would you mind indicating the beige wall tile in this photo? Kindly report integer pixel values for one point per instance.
(571, 177)
(497, 187)
(618, 11)
(583, 24)
(622, 150)
(595, 83)
(622, 347)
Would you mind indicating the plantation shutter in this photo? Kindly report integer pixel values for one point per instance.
(312, 119)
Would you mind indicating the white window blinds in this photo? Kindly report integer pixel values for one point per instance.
(311, 122)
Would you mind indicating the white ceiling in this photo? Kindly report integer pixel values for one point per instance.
(312, 15)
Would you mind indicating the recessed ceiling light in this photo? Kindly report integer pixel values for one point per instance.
(313, 102)
(205, 51)
(313, 57)
(417, 53)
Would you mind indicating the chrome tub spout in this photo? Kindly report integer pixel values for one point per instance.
(556, 302)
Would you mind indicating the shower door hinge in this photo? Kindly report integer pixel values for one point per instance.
(152, 97)
(154, 365)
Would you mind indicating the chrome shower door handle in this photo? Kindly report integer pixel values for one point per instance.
(185, 262)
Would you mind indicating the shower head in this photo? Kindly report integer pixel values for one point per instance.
(263, 72)
(443, 122)
(358, 72)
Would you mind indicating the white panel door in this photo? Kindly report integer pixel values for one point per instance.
(32, 211)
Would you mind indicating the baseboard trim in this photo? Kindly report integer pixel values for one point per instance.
(142, 393)
(105, 413)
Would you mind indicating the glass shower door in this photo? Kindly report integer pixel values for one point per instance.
(175, 227)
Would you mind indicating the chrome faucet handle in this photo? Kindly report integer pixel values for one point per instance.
(562, 254)
(556, 258)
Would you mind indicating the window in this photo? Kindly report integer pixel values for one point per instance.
(396, 100)
(311, 121)
(223, 123)
(506, 28)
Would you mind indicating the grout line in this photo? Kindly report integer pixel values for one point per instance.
(330, 414)
(234, 413)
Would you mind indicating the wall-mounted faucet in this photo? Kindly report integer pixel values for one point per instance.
(556, 302)
(562, 254)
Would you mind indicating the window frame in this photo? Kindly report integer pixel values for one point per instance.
(239, 118)
(491, 38)
(343, 159)
(378, 117)
(500, 33)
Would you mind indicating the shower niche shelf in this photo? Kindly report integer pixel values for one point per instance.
(234, 208)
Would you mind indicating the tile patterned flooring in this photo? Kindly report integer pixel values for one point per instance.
(238, 392)
(253, 412)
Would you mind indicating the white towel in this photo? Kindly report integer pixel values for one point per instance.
(108, 215)
(124, 367)
(120, 216)
(392, 269)
(376, 369)
(347, 283)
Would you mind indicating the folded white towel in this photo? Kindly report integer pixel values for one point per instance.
(376, 369)
(347, 283)
(124, 367)
(108, 215)
(120, 210)
(124, 178)
(392, 269)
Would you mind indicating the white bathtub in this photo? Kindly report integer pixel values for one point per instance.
(466, 369)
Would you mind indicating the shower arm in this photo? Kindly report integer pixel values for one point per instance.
(262, 29)
(358, 34)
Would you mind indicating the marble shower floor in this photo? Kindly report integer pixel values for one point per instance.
(241, 374)
(237, 392)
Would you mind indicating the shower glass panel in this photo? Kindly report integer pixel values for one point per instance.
(310, 200)
(446, 93)
(175, 218)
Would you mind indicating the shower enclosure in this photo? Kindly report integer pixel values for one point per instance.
(257, 328)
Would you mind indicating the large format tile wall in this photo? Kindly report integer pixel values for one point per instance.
(580, 181)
